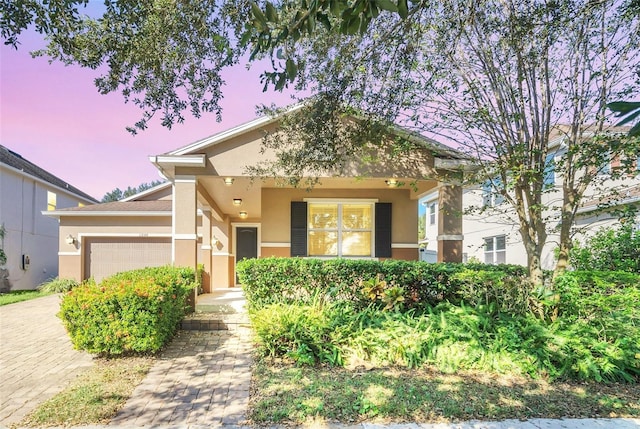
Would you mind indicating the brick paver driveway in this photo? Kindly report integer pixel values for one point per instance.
(36, 356)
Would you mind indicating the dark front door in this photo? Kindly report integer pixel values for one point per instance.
(246, 243)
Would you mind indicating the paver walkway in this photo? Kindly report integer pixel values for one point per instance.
(202, 379)
(37, 359)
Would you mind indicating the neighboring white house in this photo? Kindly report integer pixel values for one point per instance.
(31, 239)
(493, 236)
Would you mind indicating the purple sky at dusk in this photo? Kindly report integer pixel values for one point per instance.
(54, 116)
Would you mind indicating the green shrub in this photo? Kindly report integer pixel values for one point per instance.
(594, 333)
(449, 337)
(497, 290)
(58, 285)
(134, 311)
(610, 249)
(301, 332)
(599, 322)
(417, 285)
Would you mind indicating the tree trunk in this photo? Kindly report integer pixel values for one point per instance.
(565, 234)
(534, 252)
(535, 266)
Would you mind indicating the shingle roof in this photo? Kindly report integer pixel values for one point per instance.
(12, 159)
(124, 206)
(619, 197)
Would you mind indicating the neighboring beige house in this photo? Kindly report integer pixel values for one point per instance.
(493, 237)
(31, 239)
(212, 213)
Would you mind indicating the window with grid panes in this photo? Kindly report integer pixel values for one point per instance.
(340, 229)
(495, 250)
(51, 201)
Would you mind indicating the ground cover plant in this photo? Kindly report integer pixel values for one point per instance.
(132, 312)
(94, 397)
(584, 327)
(19, 296)
(58, 285)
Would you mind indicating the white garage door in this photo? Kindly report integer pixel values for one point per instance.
(107, 256)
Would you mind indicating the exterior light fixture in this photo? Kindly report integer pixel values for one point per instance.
(70, 240)
(243, 215)
(228, 181)
(392, 183)
(237, 201)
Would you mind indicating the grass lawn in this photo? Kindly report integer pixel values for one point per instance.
(20, 295)
(94, 397)
(286, 394)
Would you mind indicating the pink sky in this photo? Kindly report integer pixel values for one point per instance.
(54, 116)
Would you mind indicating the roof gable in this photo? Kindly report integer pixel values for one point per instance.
(17, 162)
(200, 146)
(155, 193)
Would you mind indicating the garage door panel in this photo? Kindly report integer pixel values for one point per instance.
(107, 256)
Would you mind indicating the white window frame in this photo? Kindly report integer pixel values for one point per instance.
(495, 250)
(433, 212)
(549, 174)
(52, 196)
(339, 229)
(490, 196)
(605, 168)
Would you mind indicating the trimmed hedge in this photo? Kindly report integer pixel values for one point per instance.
(421, 285)
(134, 311)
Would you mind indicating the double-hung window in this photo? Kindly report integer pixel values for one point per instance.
(491, 196)
(51, 201)
(495, 250)
(340, 229)
(433, 213)
(549, 171)
(605, 168)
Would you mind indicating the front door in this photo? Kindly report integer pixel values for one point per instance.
(246, 243)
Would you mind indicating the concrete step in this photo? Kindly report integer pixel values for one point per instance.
(215, 322)
(221, 310)
(222, 301)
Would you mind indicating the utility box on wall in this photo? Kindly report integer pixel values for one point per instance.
(25, 262)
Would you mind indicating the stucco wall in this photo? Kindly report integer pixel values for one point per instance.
(71, 256)
(28, 232)
(502, 220)
(276, 211)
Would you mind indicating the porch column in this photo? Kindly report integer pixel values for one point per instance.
(185, 238)
(206, 250)
(450, 223)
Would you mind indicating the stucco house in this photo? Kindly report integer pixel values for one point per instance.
(31, 239)
(211, 212)
(493, 236)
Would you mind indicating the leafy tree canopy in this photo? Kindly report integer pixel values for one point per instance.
(164, 56)
(512, 83)
(507, 80)
(118, 194)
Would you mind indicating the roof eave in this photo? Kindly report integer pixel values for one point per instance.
(233, 132)
(51, 185)
(147, 192)
(78, 213)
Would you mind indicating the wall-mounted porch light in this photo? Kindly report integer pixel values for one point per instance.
(237, 201)
(243, 215)
(228, 181)
(70, 240)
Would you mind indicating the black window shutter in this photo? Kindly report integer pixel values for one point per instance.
(383, 230)
(298, 228)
